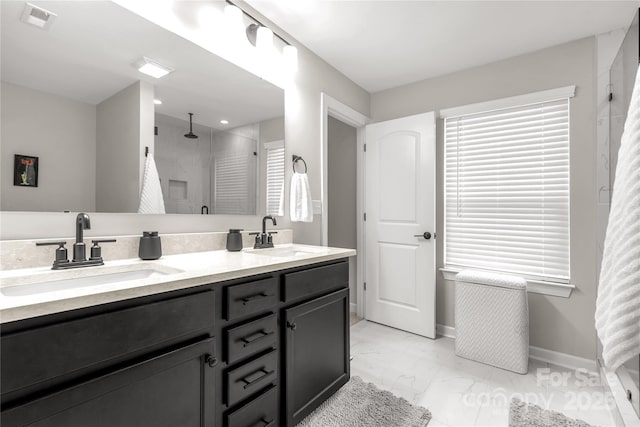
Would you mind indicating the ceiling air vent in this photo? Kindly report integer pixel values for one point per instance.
(37, 16)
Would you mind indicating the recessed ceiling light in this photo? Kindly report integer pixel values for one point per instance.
(224, 122)
(37, 16)
(157, 102)
(152, 68)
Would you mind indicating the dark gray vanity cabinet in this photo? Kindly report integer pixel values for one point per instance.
(316, 336)
(317, 352)
(175, 388)
(259, 351)
(141, 362)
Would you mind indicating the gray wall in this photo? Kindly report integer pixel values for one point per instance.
(342, 144)
(559, 324)
(124, 127)
(59, 131)
(302, 126)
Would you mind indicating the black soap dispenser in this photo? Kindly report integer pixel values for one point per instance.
(234, 240)
(150, 247)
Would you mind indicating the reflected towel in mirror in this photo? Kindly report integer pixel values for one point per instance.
(151, 200)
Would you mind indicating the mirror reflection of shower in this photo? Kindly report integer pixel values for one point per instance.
(215, 168)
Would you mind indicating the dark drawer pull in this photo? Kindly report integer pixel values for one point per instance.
(253, 298)
(255, 337)
(249, 383)
(264, 423)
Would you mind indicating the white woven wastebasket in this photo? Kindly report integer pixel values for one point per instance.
(492, 319)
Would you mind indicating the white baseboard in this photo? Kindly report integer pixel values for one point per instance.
(446, 331)
(352, 307)
(562, 359)
(538, 353)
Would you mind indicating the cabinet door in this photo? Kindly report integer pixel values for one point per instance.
(173, 389)
(316, 352)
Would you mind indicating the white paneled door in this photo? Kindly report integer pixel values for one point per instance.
(400, 252)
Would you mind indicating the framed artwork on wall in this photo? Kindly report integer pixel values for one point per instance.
(25, 171)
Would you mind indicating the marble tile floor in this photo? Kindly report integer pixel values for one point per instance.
(461, 392)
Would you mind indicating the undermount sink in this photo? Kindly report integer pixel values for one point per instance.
(282, 252)
(104, 277)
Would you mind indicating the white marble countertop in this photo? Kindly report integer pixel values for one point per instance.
(175, 272)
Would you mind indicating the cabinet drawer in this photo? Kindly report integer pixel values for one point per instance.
(245, 380)
(251, 338)
(260, 412)
(251, 298)
(315, 281)
(77, 344)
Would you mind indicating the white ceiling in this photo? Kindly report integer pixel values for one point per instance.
(385, 44)
(90, 51)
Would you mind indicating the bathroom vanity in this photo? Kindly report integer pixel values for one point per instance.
(221, 345)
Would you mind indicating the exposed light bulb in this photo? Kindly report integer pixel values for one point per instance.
(233, 14)
(290, 57)
(157, 102)
(224, 122)
(208, 18)
(264, 39)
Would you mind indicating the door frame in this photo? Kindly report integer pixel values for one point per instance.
(332, 107)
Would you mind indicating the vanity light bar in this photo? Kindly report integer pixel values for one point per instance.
(152, 68)
(287, 44)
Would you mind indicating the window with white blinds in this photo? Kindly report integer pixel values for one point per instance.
(507, 189)
(275, 177)
(232, 189)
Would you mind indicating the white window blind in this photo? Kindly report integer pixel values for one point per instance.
(232, 184)
(275, 177)
(507, 190)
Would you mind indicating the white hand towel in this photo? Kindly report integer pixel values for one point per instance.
(300, 206)
(151, 200)
(618, 303)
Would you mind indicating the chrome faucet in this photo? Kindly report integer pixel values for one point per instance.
(79, 248)
(264, 239)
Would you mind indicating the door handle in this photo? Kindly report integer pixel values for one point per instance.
(426, 235)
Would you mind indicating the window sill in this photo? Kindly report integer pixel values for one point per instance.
(533, 286)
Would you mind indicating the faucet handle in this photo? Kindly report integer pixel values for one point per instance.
(96, 250)
(61, 252)
(60, 243)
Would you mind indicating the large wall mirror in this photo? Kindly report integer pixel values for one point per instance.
(77, 114)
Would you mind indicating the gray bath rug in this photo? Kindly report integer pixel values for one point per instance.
(360, 404)
(528, 415)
